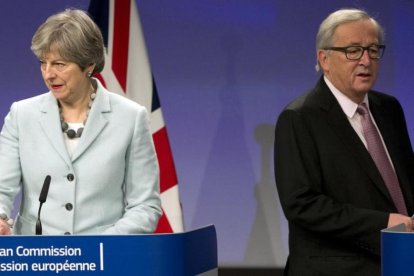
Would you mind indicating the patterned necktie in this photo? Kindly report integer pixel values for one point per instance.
(379, 155)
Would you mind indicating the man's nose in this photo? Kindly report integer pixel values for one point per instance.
(365, 58)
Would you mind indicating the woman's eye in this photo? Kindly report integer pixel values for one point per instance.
(60, 66)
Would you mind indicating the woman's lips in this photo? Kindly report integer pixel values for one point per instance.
(56, 86)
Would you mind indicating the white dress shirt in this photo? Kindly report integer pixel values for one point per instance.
(350, 109)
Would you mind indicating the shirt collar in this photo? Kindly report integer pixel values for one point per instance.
(348, 106)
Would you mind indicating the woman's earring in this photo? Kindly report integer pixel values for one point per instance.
(89, 74)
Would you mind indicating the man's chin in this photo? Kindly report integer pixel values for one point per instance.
(364, 87)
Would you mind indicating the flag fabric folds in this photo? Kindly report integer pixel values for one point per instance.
(127, 72)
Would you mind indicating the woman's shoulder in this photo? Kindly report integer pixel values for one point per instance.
(32, 103)
(36, 98)
(122, 103)
(113, 100)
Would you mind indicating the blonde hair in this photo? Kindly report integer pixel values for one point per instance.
(74, 35)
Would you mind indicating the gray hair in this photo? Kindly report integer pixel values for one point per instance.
(74, 35)
(325, 35)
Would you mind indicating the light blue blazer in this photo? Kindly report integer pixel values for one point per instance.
(109, 186)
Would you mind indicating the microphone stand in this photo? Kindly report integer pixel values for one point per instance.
(42, 199)
(38, 222)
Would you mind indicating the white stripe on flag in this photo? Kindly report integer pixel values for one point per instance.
(139, 72)
(172, 208)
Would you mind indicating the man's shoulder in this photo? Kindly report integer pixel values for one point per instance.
(381, 98)
(381, 95)
(312, 99)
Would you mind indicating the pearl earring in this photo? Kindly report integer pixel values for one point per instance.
(89, 74)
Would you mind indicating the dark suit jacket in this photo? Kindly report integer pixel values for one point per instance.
(330, 189)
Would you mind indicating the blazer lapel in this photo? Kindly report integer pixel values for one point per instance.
(50, 124)
(95, 123)
(340, 123)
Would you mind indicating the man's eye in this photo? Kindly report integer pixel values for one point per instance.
(353, 50)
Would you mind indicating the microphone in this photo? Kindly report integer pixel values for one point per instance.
(42, 199)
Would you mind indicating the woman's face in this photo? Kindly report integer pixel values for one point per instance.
(68, 83)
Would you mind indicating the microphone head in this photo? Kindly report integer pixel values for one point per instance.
(45, 189)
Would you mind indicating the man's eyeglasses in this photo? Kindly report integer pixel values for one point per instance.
(356, 52)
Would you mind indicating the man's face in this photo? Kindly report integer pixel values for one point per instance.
(354, 78)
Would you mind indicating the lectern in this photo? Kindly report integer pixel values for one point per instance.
(188, 253)
(397, 251)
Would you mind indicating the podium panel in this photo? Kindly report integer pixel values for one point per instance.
(187, 253)
(397, 251)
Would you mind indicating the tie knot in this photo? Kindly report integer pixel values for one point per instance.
(362, 109)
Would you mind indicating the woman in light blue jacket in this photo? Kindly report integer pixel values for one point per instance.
(95, 145)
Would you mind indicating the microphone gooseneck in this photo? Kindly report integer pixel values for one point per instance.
(42, 199)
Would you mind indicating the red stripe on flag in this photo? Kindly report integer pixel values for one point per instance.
(122, 13)
(168, 177)
(163, 225)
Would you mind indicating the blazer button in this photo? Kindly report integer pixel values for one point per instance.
(70, 177)
(69, 206)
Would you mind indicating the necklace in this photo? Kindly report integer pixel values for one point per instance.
(71, 133)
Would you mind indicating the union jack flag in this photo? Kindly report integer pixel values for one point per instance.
(127, 72)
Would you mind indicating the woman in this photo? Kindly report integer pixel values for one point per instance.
(95, 145)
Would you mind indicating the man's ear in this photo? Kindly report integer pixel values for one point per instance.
(323, 60)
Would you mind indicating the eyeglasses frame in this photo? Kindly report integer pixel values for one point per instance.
(381, 48)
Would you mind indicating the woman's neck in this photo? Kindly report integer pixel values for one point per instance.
(76, 111)
(74, 114)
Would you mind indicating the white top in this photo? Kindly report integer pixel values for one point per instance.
(71, 144)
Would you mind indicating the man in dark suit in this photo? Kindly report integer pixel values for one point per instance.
(332, 188)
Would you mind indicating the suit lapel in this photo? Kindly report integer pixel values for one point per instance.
(384, 119)
(96, 122)
(340, 124)
(50, 124)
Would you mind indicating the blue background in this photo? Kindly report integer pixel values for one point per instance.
(224, 70)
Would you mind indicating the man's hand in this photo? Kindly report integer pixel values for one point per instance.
(395, 219)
